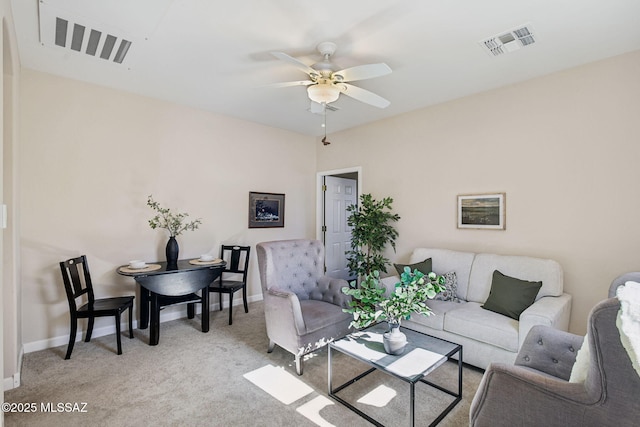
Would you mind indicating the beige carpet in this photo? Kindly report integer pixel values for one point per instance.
(222, 378)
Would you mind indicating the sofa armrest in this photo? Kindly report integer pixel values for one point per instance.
(548, 311)
(550, 351)
(389, 283)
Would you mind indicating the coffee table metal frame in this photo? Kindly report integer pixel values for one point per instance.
(416, 340)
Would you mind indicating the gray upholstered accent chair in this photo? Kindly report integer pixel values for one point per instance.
(633, 276)
(537, 392)
(302, 306)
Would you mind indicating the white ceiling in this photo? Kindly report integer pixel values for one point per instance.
(215, 55)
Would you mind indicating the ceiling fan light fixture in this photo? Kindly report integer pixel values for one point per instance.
(323, 93)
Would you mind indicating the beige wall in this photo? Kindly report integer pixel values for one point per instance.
(10, 337)
(91, 155)
(564, 148)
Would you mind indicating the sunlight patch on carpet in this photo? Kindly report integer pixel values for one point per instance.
(416, 362)
(312, 409)
(279, 383)
(378, 397)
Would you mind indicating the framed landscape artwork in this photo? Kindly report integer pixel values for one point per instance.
(485, 211)
(266, 210)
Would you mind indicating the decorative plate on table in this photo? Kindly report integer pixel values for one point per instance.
(198, 261)
(148, 267)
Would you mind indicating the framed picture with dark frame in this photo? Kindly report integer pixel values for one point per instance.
(266, 210)
(484, 211)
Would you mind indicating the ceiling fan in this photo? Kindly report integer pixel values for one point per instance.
(325, 84)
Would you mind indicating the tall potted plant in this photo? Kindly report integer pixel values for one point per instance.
(371, 231)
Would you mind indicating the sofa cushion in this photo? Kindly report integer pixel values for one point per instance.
(440, 310)
(546, 271)
(471, 321)
(318, 315)
(445, 260)
(423, 267)
(511, 296)
(450, 292)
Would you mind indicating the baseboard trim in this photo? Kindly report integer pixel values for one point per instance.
(167, 314)
(14, 380)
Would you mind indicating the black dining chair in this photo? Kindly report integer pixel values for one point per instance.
(77, 282)
(237, 258)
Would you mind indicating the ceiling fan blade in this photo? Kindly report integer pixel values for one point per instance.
(361, 72)
(298, 64)
(365, 96)
(288, 84)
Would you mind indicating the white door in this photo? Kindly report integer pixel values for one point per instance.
(339, 193)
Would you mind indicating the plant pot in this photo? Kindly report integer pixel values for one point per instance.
(172, 251)
(394, 340)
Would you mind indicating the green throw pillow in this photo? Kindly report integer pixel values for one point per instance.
(423, 267)
(511, 296)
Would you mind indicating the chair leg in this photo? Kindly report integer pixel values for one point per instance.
(89, 329)
(230, 308)
(299, 364)
(191, 309)
(72, 336)
(130, 322)
(118, 333)
(220, 300)
(244, 299)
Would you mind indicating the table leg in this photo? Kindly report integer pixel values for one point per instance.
(144, 308)
(329, 380)
(154, 332)
(460, 373)
(205, 309)
(412, 405)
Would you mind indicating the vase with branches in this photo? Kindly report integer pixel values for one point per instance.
(175, 224)
(370, 304)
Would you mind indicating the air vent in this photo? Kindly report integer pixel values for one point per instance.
(63, 29)
(90, 41)
(509, 41)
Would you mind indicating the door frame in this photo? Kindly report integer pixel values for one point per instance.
(320, 208)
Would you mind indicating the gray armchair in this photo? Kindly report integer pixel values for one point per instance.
(302, 307)
(536, 391)
(633, 276)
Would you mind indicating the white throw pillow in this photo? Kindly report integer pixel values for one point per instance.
(581, 367)
(450, 292)
(628, 320)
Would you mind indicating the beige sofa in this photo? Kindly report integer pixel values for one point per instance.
(487, 336)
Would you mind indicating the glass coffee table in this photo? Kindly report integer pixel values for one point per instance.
(423, 355)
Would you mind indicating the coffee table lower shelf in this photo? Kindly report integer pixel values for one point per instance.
(362, 351)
